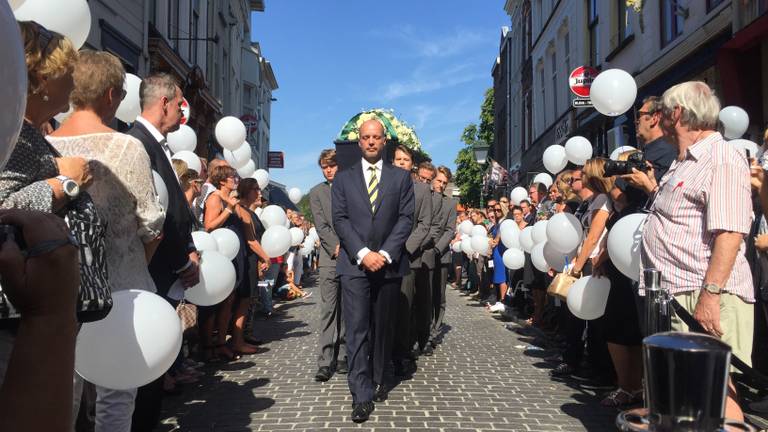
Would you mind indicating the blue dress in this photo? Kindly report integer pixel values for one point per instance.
(499, 271)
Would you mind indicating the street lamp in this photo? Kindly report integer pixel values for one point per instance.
(481, 156)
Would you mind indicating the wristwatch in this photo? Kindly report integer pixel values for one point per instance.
(712, 288)
(70, 187)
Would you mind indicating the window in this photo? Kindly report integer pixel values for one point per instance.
(594, 35)
(527, 119)
(711, 4)
(567, 52)
(624, 26)
(543, 99)
(173, 22)
(671, 22)
(553, 63)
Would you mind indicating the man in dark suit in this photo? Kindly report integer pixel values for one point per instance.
(331, 324)
(417, 242)
(176, 257)
(373, 205)
(442, 250)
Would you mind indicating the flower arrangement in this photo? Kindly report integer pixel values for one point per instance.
(396, 129)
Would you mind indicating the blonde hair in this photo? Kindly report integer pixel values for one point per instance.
(594, 172)
(625, 155)
(700, 106)
(95, 73)
(47, 54)
(563, 184)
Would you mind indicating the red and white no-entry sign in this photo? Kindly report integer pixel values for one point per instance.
(581, 79)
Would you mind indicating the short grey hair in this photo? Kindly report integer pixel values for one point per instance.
(156, 86)
(655, 104)
(700, 106)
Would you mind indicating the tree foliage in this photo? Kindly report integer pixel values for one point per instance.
(469, 174)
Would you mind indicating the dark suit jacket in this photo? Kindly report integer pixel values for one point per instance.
(422, 218)
(173, 252)
(358, 226)
(320, 204)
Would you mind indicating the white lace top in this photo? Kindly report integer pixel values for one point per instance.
(123, 191)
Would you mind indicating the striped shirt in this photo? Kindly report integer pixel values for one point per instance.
(705, 193)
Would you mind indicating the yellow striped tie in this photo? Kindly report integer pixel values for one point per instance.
(373, 188)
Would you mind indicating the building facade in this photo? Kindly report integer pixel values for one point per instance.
(200, 42)
(664, 43)
(258, 85)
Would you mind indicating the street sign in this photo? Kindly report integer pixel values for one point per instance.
(275, 159)
(581, 79)
(582, 103)
(186, 111)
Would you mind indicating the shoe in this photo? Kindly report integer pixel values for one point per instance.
(323, 374)
(621, 398)
(428, 350)
(381, 393)
(562, 370)
(341, 367)
(361, 411)
(496, 308)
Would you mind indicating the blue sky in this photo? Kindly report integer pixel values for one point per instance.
(429, 60)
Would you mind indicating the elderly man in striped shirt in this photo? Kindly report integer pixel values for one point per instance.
(700, 215)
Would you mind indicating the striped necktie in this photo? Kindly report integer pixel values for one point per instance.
(373, 187)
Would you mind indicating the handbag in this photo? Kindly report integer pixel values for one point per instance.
(187, 313)
(560, 285)
(94, 293)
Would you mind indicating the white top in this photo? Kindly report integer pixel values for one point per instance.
(157, 135)
(599, 202)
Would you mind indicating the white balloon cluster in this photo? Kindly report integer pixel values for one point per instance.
(735, 121)
(295, 195)
(577, 150)
(239, 157)
(262, 178)
(183, 139)
(517, 195)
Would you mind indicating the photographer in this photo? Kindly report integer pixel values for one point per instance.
(43, 287)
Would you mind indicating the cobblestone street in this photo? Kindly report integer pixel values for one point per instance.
(482, 377)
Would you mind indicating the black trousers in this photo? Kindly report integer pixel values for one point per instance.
(421, 318)
(369, 308)
(405, 329)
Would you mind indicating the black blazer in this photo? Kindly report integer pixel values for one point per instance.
(357, 226)
(173, 252)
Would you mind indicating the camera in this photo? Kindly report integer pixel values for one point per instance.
(635, 160)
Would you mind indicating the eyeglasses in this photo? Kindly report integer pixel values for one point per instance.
(640, 115)
(497, 209)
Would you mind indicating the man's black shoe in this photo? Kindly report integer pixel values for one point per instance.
(323, 374)
(341, 367)
(428, 350)
(361, 411)
(381, 393)
(399, 368)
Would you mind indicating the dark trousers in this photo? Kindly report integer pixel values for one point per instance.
(332, 345)
(405, 329)
(421, 318)
(149, 404)
(439, 280)
(369, 306)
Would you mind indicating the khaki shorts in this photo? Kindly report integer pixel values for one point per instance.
(737, 319)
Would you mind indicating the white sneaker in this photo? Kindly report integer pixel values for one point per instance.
(498, 307)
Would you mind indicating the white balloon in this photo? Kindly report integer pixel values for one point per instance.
(306, 250)
(478, 230)
(15, 3)
(71, 18)
(130, 108)
(456, 247)
(273, 215)
(746, 147)
(466, 227)
(735, 121)
(508, 224)
(134, 345)
(217, 280)
(204, 241)
(192, 160)
(510, 237)
(313, 233)
(276, 241)
(466, 246)
(514, 259)
(465, 236)
(162, 191)
(540, 232)
(247, 170)
(617, 152)
(297, 236)
(518, 194)
(526, 239)
(578, 150)
(239, 157)
(258, 212)
(613, 92)
(287, 223)
(60, 117)
(262, 178)
(624, 244)
(544, 179)
(227, 242)
(295, 195)
(537, 258)
(554, 158)
(230, 133)
(588, 297)
(556, 259)
(183, 139)
(481, 245)
(564, 232)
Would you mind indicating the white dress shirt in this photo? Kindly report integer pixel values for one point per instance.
(367, 176)
(156, 134)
